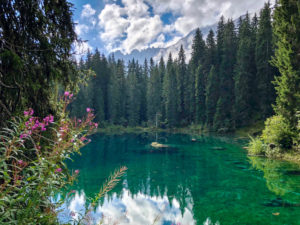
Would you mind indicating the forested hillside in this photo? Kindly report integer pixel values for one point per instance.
(227, 84)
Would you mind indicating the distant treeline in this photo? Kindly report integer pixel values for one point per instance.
(227, 83)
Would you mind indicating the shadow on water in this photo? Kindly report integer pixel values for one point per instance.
(204, 181)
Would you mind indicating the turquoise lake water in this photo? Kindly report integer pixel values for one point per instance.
(210, 181)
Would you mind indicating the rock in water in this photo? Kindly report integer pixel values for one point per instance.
(158, 145)
(218, 148)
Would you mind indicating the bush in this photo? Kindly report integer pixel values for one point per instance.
(257, 146)
(32, 154)
(278, 133)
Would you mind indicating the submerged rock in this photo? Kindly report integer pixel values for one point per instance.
(218, 148)
(279, 202)
(158, 145)
(293, 172)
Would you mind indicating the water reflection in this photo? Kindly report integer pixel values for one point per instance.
(130, 209)
(207, 181)
(282, 178)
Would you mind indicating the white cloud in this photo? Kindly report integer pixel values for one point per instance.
(113, 23)
(131, 25)
(81, 29)
(87, 11)
(81, 49)
(142, 32)
(131, 209)
(199, 13)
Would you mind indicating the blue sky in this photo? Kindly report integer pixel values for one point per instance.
(125, 25)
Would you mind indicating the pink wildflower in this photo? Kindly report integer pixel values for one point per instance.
(23, 136)
(51, 120)
(72, 214)
(88, 109)
(82, 138)
(76, 171)
(20, 162)
(67, 93)
(58, 170)
(70, 96)
(96, 125)
(79, 121)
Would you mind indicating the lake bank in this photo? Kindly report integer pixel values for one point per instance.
(241, 133)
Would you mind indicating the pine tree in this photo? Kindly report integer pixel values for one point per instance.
(117, 95)
(287, 60)
(36, 38)
(245, 73)
(223, 118)
(96, 85)
(181, 78)
(220, 42)
(143, 89)
(154, 95)
(198, 58)
(200, 96)
(265, 71)
(212, 96)
(162, 74)
(133, 95)
(170, 96)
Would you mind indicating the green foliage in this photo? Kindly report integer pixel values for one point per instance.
(226, 84)
(256, 146)
(223, 119)
(278, 132)
(170, 96)
(265, 71)
(200, 96)
(287, 60)
(35, 51)
(244, 77)
(32, 165)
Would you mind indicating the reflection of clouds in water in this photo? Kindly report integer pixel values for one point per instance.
(140, 209)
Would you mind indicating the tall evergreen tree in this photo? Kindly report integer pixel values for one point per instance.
(263, 54)
(154, 95)
(182, 106)
(223, 118)
(287, 60)
(162, 74)
(200, 96)
(212, 96)
(118, 94)
(133, 94)
(35, 51)
(170, 93)
(143, 90)
(245, 71)
(198, 58)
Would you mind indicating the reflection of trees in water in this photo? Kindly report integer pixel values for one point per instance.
(166, 173)
(280, 176)
(190, 172)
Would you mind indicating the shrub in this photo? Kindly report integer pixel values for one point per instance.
(257, 146)
(32, 154)
(278, 132)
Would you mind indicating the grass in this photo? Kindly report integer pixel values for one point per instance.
(252, 130)
(117, 129)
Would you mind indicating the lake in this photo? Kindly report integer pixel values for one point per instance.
(207, 181)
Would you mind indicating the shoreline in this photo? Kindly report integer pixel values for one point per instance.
(242, 133)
